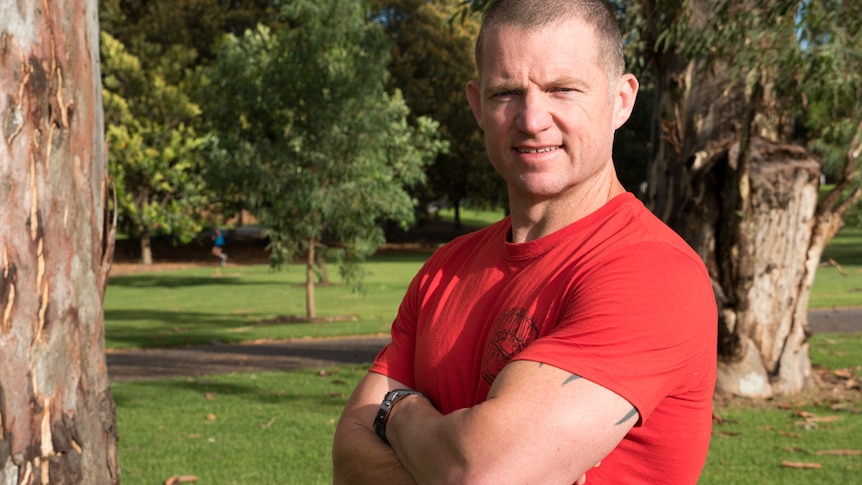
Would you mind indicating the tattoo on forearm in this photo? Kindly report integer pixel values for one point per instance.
(571, 378)
(628, 416)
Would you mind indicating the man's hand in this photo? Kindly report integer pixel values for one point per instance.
(358, 454)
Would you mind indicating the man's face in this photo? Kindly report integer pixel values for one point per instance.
(547, 109)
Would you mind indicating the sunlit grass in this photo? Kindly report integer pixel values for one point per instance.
(240, 303)
(838, 282)
(253, 428)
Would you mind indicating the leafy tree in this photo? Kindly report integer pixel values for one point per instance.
(159, 26)
(311, 136)
(155, 151)
(432, 61)
(57, 419)
(175, 40)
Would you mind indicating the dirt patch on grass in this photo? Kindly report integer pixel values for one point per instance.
(839, 390)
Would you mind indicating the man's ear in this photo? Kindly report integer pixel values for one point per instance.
(474, 98)
(624, 98)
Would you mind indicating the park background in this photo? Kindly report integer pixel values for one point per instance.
(258, 426)
(339, 124)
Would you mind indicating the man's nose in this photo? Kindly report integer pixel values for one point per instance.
(535, 113)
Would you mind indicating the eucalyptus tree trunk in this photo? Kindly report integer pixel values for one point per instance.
(722, 177)
(57, 420)
(146, 246)
(310, 308)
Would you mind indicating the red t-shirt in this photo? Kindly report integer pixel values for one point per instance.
(617, 298)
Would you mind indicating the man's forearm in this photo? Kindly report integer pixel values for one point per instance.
(360, 457)
(424, 444)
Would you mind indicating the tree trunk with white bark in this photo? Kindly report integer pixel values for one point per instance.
(57, 422)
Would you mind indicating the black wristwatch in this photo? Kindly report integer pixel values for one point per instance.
(386, 406)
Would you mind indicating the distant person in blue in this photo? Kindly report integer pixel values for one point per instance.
(218, 246)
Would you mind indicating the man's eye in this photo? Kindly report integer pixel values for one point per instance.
(505, 94)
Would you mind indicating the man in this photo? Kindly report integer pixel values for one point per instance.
(574, 340)
(218, 246)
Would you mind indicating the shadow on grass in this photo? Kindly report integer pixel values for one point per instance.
(845, 254)
(844, 248)
(180, 281)
(187, 320)
(251, 392)
(130, 327)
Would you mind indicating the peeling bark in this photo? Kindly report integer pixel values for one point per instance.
(57, 420)
(770, 300)
(747, 205)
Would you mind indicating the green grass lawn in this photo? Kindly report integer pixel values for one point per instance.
(241, 303)
(272, 428)
(276, 427)
(841, 285)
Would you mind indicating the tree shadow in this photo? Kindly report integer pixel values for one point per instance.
(155, 280)
(175, 328)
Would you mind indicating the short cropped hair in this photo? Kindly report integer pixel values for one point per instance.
(534, 14)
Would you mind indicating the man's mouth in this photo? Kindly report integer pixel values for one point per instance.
(537, 150)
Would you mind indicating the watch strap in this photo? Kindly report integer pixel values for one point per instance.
(386, 407)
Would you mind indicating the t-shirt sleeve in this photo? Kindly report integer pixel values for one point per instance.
(642, 324)
(396, 359)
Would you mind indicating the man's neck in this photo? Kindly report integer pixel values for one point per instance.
(536, 219)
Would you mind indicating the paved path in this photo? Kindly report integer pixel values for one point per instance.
(227, 358)
(840, 320)
(297, 354)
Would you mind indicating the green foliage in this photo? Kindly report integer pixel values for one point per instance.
(195, 27)
(154, 149)
(832, 79)
(432, 61)
(310, 137)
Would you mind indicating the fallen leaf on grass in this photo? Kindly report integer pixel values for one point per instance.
(209, 396)
(811, 419)
(181, 479)
(211, 417)
(843, 373)
(800, 464)
(839, 452)
(825, 419)
(792, 405)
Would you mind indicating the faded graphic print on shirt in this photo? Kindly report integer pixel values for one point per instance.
(513, 331)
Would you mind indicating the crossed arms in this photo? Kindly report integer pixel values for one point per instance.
(540, 424)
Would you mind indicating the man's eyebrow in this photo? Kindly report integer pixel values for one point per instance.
(502, 87)
(563, 81)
